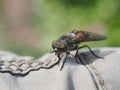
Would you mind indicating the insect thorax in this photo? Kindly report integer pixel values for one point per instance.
(69, 40)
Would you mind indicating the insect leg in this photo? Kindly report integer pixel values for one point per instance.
(90, 51)
(64, 61)
(59, 58)
(77, 60)
(58, 55)
(49, 67)
(76, 56)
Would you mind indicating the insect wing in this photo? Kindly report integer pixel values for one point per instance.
(83, 36)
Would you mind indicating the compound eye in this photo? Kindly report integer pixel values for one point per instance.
(61, 45)
(53, 44)
(57, 44)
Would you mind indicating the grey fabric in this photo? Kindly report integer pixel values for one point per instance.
(73, 76)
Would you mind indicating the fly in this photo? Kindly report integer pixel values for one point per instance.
(71, 41)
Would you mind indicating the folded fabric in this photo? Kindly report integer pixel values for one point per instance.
(27, 73)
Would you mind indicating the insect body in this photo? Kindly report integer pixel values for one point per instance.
(70, 41)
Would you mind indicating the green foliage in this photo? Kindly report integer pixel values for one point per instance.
(61, 16)
(53, 18)
(78, 3)
(25, 51)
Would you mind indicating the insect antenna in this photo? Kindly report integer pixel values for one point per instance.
(52, 51)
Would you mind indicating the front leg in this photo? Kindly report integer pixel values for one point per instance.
(59, 58)
(51, 66)
(64, 61)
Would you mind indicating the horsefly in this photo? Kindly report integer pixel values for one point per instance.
(71, 41)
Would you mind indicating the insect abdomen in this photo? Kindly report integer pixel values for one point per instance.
(95, 37)
(83, 36)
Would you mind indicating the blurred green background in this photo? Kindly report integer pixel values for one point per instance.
(28, 27)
